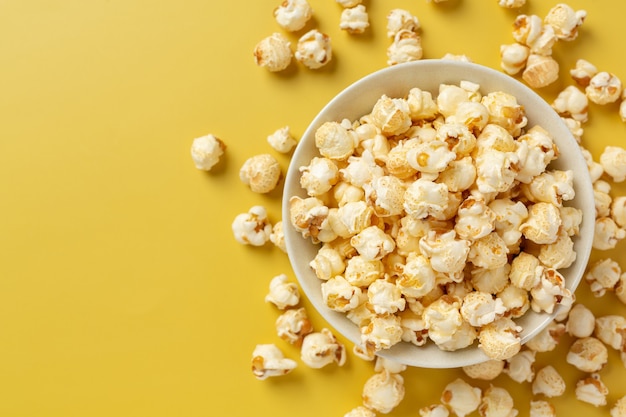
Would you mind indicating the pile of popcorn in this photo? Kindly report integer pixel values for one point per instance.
(440, 219)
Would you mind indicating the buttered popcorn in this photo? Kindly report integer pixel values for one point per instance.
(440, 218)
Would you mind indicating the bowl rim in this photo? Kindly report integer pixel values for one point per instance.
(407, 73)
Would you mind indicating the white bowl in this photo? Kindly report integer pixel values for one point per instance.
(358, 100)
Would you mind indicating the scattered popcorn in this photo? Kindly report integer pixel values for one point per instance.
(595, 168)
(611, 330)
(277, 236)
(607, 234)
(527, 28)
(436, 410)
(588, 354)
(268, 361)
(602, 198)
(541, 408)
(320, 349)
(273, 52)
(406, 47)
(206, 151)
(583, 72)
(619, 408)
(618, 211)
(511, 4)
(360, 411)
(565, 21)
(461, 397)
(548, 382)
(252, 228)
(314, 49)
(592, 390)
(283, 294)
(497, 402)
(292, 15)
(399, 20)
(354, 20)
(603, 275)
(572, 102)
(383, 391)
(486, 371)
(513, 57)
(613, 160)
(581, 322)
(519, 367)
(293, 325)
(604, 88)
(281, 140)
(261, 173)
(540, 70)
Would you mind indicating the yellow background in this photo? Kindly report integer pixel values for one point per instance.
(122, 290)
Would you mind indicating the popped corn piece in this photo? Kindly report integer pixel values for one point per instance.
(319, 176)
(417, 277)
(479, 308)
(382, 332)
(548, 382)
(620, 288)
(273, 52)
(527, 28)
(497, 402)
(424, 198)
(373, 243)
(322, 348)
(351, 218)
(361, 272)
(339, 295)
(547, 339)
(268, 361)
(293, 325)
(449, 98)
(421, 104)
(509, 216)
(583, 72)
(456, 57)
(406, 47)
(611, 330)
(307, 215)
(526, 271)
(261, 173)
(595, 168)
(430, 157)
(360, 411)
(592, 390)
(461, 397)
(572, 102)
(447, 254)
(550, 292)
(361, 170)
(505, 111)
(488, 252)
(252, 228)
(292, 15)
(500, 339)
(283, 294)
(602, 276)
(391, 115)
(386, 195)
(314, 49)
(588, 354)
(354, 20)
(511, 4)
(327, 263)
(436, 410)
(581, 321)
(540, 71)
(335, 142)
(459, 175)
(443, 320)
(515, 300)
(470, 117)
(413, 328)
(560, 254)
(277, 236)
(542, 44)
(543, 223)
(541, 408)
(613, 160)
(619, 408)
(474, 219)
(535, 149)
(385, 297)
(383, 391)
(602, 198)
(361, 316)
(344, 192)
(206, 151)
(485, 371)
(520, 367)
(604, 88)
(565, 21)
(607, 234)
(575, 127)
(618, 210)
(281, 140)
(349, 3)
(396, 161)
(400, 19)
(513, 57)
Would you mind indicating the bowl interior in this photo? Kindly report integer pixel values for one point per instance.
(358, 100)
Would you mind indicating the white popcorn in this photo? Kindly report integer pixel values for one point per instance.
(307, 215)
(461, 397)
(261, 173)
(550, 292)
(603, 276)
(400, 19)
(459, 175)
(520, 367)
(430, 157)
(293, 325)
(360, 411)
(385, 297)
(619, 408)
(319, 176)
(386, 195)
(604, 88)
(602, 198)
(540, 71)
(473, 116)
(500, 339)
(572, 102)
(281, 140)
(391, 115)
(383, 391)
(436, 410)
(511, 4)
(252, 228)
(314, 49)
(339, 295)
(417, 278)
(382, 332)
(268, 361)
(389, 365)
(320, 349)
(526, 271)
(620, 288)
(354, 20)
(595, 168)
(513, 57)
(396, 161)
(292, 15)
(449, 98)
(206, 151)
(509, 216)
(406, 47)
(581, 321)
(575, 127)
(497, 402)
(443, 319)
(607, 234)
(361, 170)
(542, 224)
(479, 308)
(488, 252)
(611, 330)
(425, 198)
(328, 263)
(527, 28)
(413, 328)
(618, 210)
(344, 192)
(541, 408)
(335, 141)
(547, 339)
(560, 254)
(273, 52)
(588, 354)
(583, 72)
(542, 44)
(421, 104)
(613, 160)
(351, 218)
(447, 254)
(548, 382)
(485, 371)
(361, 272)
(495, 171)
(373, 243)
(592, 390)
(277, 236)
(474, 220)
(565, 21)
(283, 294)
(515, 300)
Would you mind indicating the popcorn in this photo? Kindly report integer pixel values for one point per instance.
(542, 224)
(548, 382)
(519, 367)
(527, 28)
(595, 168)
(421, 104)
(292, 15)
(443, 320)
(389, 365)
(398, 20)
(602, 198)
(619, 408)
(385, 297)
(319, 176)
(540, 71)
(340, 295)
(480, 308)
(583, 72)
(261, 173)
(618, 211)
(604, 88)
(349, 3)
(565, 21)
(459, 175)
(535, 150)
(613, 160)
(526, 271)
(592, 390)
(436, 410)
(386, 195)
(547, 339)
(486, 371)
(500, 339)
(320, 349)
(314, 49)
(360, 411)
(334, 141)
(560, 254)
(542, 408)
(352, 218)
(307, 215)
(206, 151)
(383, 391)
(269, 361)
(607, 234)
(361, 272)
(413, 328)
(354, 20)
(474, 220)
(447, 254)
(424, 198)
(361, 170)
(281, 140)
(513, 57)
(327, 263)
(603, 275)
(581, 322)
(611, 330)
(430, 157)
(571, 102)
(277, 236)
(515, 300)
(461, 397)
(588, 354)
(391, 115)
(488, 252)
(509, 216)
(373, 243)
(497, 402)
(293, 325)
(511, 4)
(252, 228)
(417, 277)
(550, 292)
(382, 332)
(406, 47)
(283, 294)
(449, 98)
(273, 52)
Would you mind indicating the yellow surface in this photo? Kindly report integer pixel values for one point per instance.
(122, 290)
